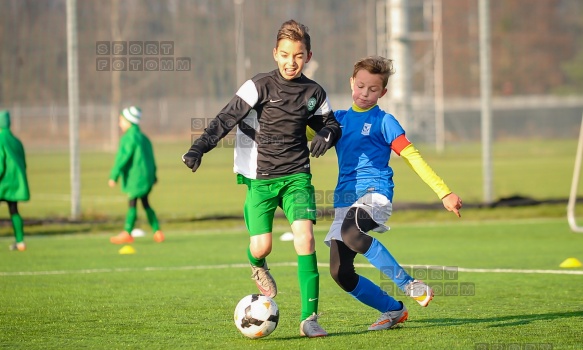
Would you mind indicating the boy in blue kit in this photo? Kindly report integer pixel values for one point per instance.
(364, 193)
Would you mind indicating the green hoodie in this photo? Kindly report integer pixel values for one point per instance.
(135, 163)
(13, 180)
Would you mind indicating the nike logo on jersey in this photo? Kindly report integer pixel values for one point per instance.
(312, 299)
(328, 138)
(273, 101)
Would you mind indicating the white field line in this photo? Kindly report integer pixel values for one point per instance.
(231, 266)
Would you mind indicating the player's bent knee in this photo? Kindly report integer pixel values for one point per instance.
(304, 245)
(261, 245)
(347, 279)
(260, 251)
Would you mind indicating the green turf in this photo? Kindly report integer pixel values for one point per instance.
(532, 168)
(529, 168)
(71, 289)
(75, 291)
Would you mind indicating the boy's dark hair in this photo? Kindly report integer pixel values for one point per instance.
(294, 31)
(375, 65)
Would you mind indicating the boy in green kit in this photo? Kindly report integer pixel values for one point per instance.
(136, 166)
(271, 112)
(13, 180)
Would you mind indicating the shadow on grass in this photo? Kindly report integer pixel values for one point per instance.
(34, 227)
(515, 207)
(357, 329)
(59, 226)
(499, 321)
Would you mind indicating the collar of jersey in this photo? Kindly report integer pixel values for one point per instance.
(288, 82)
(360, 110)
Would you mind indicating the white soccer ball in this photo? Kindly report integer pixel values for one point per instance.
(256, 316)
(138, 232)
(286, 237)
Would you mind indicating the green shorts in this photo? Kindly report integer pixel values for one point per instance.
(294, 194)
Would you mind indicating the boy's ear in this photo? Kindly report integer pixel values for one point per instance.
(309, 56)
(384, 92)
(275, 54)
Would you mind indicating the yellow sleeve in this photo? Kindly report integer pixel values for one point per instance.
(413, 158)
(310, 133)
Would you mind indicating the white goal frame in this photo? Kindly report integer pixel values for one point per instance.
(574, 184)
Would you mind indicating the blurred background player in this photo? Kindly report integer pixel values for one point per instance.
(136, 166)
(13, 180)
(272, 111)
(364, 194)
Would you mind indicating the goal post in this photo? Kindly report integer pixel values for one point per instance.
(574, 185)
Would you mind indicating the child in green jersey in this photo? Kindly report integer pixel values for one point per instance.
(136, 166)
(13, 180)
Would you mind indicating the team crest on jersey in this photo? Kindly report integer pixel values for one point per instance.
(366, 129)
(311, 104)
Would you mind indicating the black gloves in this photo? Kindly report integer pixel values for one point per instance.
(192, 159)
(322, 142)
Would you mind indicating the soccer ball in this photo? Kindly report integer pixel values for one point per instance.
(256, 316)
(138, 232)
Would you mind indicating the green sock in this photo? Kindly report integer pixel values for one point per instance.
(309, 279)
(131, 217)
(152, 219)
(18, 227)
(253, 260)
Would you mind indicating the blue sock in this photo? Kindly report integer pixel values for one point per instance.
(372, 295)
(380, 258)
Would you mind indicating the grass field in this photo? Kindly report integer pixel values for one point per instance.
(75, 291)
(71, 289)
(536, 169)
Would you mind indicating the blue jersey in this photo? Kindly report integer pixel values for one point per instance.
(364, 151)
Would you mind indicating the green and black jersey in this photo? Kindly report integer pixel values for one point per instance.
(271, 115)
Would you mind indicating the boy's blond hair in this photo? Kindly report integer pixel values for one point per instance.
(375, 65)
(294, 31)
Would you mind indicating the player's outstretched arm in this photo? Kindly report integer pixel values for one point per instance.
(413, 158)
(221, 125)
(452, 202)
(404, 148)
(193, 157)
